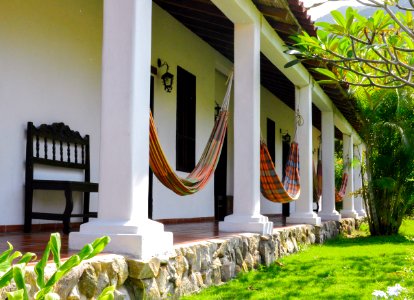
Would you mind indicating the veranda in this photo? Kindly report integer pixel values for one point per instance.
(93, 65)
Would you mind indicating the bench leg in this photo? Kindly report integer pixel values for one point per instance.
(86, 206)
(68, 211)
(28, 205)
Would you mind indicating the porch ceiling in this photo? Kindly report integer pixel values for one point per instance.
(287, 17)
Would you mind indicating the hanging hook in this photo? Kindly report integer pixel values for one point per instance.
(299, 118)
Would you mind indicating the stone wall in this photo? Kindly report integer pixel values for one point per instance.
(191, 267)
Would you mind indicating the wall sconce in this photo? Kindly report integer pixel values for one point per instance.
(167, 77)
(286, 137)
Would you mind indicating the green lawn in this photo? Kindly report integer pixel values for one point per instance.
(344, 268)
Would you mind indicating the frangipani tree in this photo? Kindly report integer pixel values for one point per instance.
(377, 51)
(374, 57)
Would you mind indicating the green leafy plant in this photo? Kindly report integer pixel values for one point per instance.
(10, 271)
(15, 272)
(107, 293)
(362, 51)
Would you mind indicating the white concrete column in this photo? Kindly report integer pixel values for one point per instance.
(246, 215)
(124, 157)
(328, 211)
(358, 201)
(304, 205)
(348, 210)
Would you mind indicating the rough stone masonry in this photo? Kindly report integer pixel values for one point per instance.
(190, 268)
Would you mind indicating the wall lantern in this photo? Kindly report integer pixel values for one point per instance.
(286, 137)
(167, 77)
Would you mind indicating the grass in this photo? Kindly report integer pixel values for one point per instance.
(343, 268)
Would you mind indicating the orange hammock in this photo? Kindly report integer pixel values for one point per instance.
(317, 181)
(339, 196)
(205, 167)
(317, 184)
(271, 186)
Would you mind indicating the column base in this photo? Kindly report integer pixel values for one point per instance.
(330, 216)
(361, 213)
(349, 214)
(143, 240)
(241, 223)
(304, 218)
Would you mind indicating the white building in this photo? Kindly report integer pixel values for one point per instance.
(90, 64)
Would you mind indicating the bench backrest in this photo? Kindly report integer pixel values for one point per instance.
(56, 145)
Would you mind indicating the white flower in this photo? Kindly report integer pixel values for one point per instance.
(395, 290)
(379, 294)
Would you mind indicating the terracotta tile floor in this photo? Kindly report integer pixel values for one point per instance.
(183, 233)
(193, 232)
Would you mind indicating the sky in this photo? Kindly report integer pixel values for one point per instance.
(327, 7)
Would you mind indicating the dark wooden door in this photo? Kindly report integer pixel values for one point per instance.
(285, 156)
(151, 174)
(220, 185)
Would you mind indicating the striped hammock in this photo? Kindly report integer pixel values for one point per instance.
(317, 184)
(205, 167)
(271, 186)
(317, 181)
(339, 196)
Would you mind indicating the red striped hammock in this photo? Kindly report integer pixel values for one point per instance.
(317, 184)
(339, 196)
(271, 186)
(205, 167)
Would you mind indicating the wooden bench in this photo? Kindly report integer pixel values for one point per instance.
(57, 146)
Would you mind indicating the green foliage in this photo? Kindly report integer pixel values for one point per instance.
(15, 272)
(107, 293)
(16, 295)
(8, 271)
(339, 164)
(388, 123)
(375, 51)
(88, 251)
(339, 170)
(344, 268)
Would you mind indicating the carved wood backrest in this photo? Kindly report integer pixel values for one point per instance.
(56, 145)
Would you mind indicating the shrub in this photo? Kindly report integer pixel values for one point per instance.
(10, 271)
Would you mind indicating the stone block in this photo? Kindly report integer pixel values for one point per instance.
(206, 276)
(70, 280)
(139, 269)
(150, 289)
(88, 282)
(266, 250)
(228, 271)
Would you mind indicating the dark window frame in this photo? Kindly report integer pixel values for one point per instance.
(271, 138)
(185, 120)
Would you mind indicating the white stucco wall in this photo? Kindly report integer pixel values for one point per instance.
(50, 71)
(171, 42)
